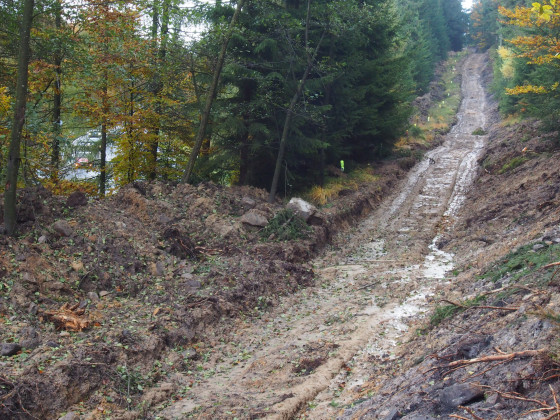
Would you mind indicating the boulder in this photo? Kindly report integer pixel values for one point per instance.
(63, 228)
(253, 218)
(29, 338)
(9, 349)
(248, 203)
(302, 208)
(69, 416)
(460, 394)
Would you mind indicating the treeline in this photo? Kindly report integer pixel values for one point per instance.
(302, 85)
(524, 38)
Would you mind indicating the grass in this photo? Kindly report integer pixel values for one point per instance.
(524, 262)
(321, 196)
(443, 312)
(511, 120)
(512, 164)
(522, 266)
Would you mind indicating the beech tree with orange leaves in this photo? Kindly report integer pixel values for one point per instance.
(537, 44)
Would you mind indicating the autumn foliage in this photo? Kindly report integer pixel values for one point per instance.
(537, 42)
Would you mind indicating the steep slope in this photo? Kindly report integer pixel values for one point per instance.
(369, 290)
(490, 349)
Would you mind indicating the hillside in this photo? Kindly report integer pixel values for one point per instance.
(417, 294)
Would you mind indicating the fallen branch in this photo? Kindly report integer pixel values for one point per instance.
(503, 308)
(471, 412)
(555, 402)
(514, 396)
(485, 359)
(554, 264)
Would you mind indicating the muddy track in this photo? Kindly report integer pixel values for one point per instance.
(370, 286)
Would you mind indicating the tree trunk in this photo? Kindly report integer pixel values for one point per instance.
(290, 111)
(57, 97)
(103, 160)
(153, 146)
(19, 119)
(103, 146)
(158, 84)
(244, 158)
(211, 95)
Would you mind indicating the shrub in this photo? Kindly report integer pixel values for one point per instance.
(285, 226)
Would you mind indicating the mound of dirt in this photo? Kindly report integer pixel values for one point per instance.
(106, 289)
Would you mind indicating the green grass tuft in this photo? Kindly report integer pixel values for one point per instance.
(512, 164)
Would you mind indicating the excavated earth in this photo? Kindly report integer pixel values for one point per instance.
(422, 295)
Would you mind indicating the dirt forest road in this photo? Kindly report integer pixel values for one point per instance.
(307, 356)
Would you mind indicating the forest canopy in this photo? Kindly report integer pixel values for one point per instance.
(524, 40)
(120, 91)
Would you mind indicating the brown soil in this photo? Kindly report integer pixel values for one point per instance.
(164, 273)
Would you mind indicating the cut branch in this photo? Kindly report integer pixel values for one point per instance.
(502, 308)
(485, 359)
(554, 264)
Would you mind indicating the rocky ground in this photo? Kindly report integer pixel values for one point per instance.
(414, 297)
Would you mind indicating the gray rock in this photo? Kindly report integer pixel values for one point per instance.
(538, 247)
(29, 338)
(252, 218)
(20, 257)
(190, 354)
(248, 203)
(459, 394)
(103, 293)
(417, 417)
(33, 308)
(302, 208)
(120, 225)
(192, 284)
(94, 297)
(9, 349)
(63, 228)
(187, 276)
(42, 239)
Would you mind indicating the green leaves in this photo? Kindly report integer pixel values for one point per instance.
(544, 11)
